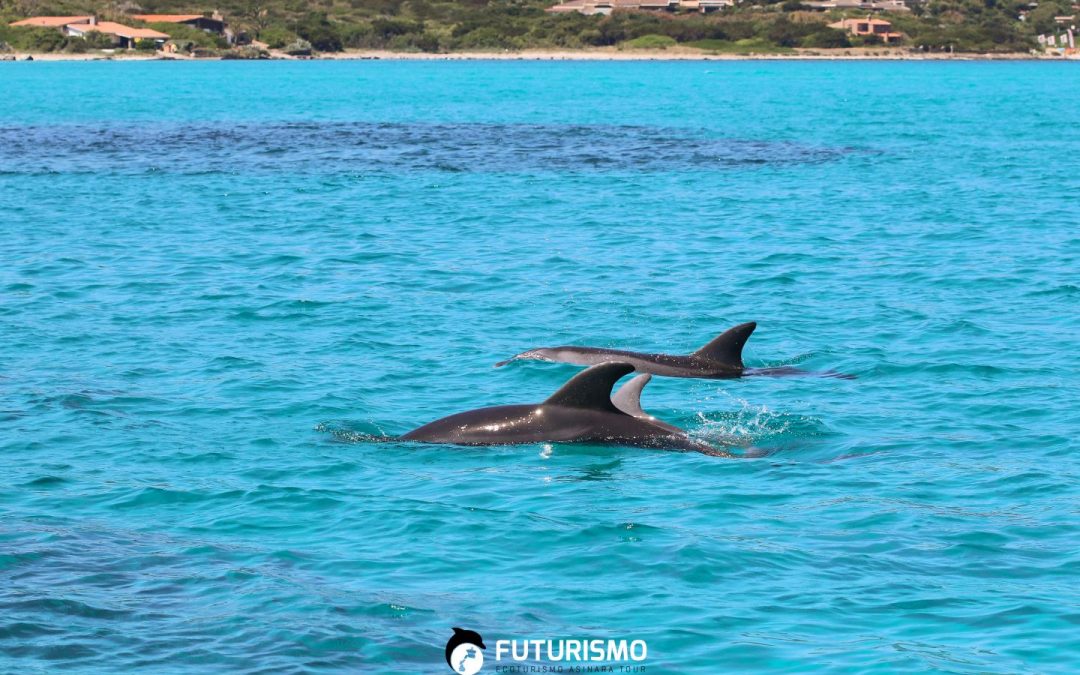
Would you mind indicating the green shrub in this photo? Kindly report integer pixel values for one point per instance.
(317, 29)
(484, 38)
(427, 42)
(26, 39)
(591, 36)
(298, 47)
(277, 37)
(826, 38)
(389, 28)
(650, 42)
(179, 31)
(96, 40)
(746, 46)
(739, 30)
(625, 26)
(358, 36)
(75, 46)
(246, 53)
(787, 33)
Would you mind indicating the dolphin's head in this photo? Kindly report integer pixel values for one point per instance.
(538, 354)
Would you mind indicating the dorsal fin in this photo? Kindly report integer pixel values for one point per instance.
(591, 388)
(727, 347)
(628, 398)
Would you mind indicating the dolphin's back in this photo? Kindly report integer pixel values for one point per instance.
(544, 423)
(506, 424)
(721, 358)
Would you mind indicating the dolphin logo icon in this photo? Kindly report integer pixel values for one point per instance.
(462, 637)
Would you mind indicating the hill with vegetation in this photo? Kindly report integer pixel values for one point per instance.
(436, 26)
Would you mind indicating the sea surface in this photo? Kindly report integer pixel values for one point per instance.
(221, 282)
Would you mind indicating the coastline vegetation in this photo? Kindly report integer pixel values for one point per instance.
(753, 26)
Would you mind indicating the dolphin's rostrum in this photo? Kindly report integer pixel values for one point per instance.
(580, 412)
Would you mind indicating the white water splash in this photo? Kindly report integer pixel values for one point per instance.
(750, 423)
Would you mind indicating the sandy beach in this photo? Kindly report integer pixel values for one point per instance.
(680, 54)
(98, 56)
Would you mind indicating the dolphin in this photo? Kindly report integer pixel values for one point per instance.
(581, 411)
(720, 359)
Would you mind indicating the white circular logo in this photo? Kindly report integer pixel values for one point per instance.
(467, 659)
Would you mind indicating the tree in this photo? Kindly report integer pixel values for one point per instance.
(317, 29)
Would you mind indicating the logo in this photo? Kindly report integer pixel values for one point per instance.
(463, 652)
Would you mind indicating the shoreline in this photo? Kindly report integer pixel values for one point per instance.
(597, 54)
(684, 54)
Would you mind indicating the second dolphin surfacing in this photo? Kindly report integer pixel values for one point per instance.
(581, 411)
(720, 359)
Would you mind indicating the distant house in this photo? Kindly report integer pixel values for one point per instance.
(51, 21)
(80, 26)
(705, 6)
(580, 6)
(868, 26)
(123, 36)
(647, 5)
(862, 5)
(210, 24)
(608, 6)
(714, 5)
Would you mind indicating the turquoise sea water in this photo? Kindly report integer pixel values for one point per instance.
(217, 278)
